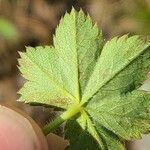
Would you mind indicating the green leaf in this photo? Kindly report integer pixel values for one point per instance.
(78, 43)
(8, 30)
(122, 66)
(41, 69)
(127, 116)
(80, 138)
(98, 85)
(54, 74)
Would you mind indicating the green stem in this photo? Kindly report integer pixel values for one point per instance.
(62, 118)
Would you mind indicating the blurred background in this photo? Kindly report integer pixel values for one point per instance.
(32, 23)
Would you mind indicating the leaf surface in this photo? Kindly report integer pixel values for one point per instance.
(56, 74)
(127, 116)
(122, 65)
(97, 84)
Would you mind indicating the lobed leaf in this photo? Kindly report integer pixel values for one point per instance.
(127, 116)
(122, 66)
(97, 84)
(54, 74)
